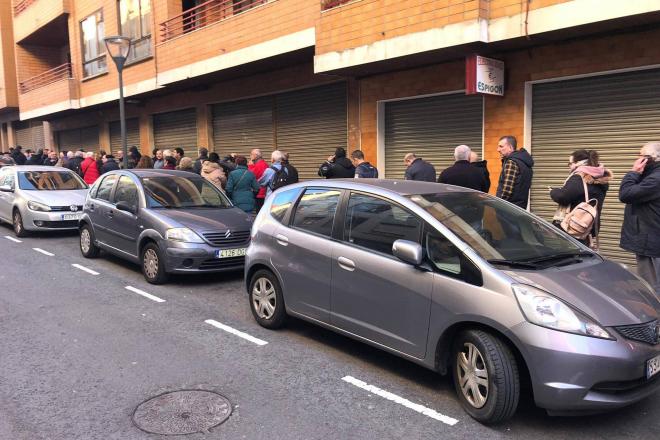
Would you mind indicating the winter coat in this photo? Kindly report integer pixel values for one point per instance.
(482, 165)
(197, 166)
(35, 159)
(241, 187)
(74, 165)
(421, 170)
(366, 171)
(158, 164)
(462, 173)
(340, 168)
(258, 169)
(640, 232)
(516, 178)
(19, 157)
(51, 163)
(109, 165)
(89, 170)
(212, 172)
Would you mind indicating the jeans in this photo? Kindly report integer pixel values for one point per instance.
(649, 269)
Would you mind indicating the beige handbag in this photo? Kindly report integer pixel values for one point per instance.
(581, 220)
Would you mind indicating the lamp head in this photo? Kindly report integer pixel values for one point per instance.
(118, 47)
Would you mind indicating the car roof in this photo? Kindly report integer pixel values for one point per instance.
(396, 186)
(149, 172)
(39, 168)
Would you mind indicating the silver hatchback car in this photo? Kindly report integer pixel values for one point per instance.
(462, 283)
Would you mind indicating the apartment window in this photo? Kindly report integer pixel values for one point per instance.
(93, 49)
(135, 22)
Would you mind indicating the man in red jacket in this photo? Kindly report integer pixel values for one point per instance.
(89, 169)
(258, 166)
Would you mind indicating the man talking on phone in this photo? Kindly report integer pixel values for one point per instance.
(640, 233)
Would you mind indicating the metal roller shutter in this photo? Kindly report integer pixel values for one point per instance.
(86, 138)
(310, 125)
(177, 129)
(431, 128)
(132, 134)
(613, 114)
(241, 126)
(29, 135)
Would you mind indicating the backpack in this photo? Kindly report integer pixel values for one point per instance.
(581, 220)
(282, 177)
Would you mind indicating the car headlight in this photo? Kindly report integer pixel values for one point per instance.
(184, 235)
(541, 308)
(36, 206)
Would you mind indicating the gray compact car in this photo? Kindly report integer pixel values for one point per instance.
(40, 198)
(166, 221)
(462, 283)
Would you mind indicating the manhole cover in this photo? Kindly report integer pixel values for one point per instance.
(182, 412)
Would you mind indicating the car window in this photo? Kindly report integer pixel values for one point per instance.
(447, 259)
(105, 188)
(316, 210)
(50, 181)
(127, 191)
(282, 202)
(376, 223)
(182, 192)
(7, 177)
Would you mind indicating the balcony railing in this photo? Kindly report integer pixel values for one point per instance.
(48, 77)
(204, 15)
(329, 4)
(22, 5)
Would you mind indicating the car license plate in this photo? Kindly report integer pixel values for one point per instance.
(652, 367)
(228, 253)
(70, 216)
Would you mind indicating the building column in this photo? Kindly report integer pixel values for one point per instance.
(104, 137)
(11, 135)
(146, 133)
(204, 132)
(49, 138)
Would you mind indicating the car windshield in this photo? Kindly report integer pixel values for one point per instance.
(497, 230)
(49, 181)
(182, 192)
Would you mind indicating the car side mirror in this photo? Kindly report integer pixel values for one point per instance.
(408, 252)
(6, 188)
(123, 206)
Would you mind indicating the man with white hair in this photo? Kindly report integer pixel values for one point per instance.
(274, 175)
(640, 232)
(462, 173)
(258, 166)
(74, 163)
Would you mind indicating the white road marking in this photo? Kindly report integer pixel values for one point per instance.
(401, 401)
(145, 294)
(233, 331)
(85, 269)
(41, 251)
(15, 240)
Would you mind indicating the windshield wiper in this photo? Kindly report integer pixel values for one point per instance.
(560, 256)
(514, 263)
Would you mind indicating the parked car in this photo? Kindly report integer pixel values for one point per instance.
(166, 221)
(40, 198)
(462, 283)
(6, 161)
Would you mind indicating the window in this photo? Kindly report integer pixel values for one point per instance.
(182, 192)
(282, 203)
(127, 192)
(376, 224)
(135, 22)
(316, 211)
(105, 188)
(93, 32)
(50, 181)
(448, 260)
(7, 177)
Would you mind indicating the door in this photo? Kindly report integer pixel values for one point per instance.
(99, 209)
(123, 229)
(304, 249)
(374, 294)
(177, 129)
(7, 198)
(240, 126)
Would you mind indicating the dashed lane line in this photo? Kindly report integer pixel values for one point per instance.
(145, 294)
(401, 401)
(41, 251)
(85, 269)
(233, 331)
(15, 240)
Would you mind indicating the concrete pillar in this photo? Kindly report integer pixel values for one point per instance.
(11, 135)
(104, 137)
(49, 138)
(146, 133)
(204, 132)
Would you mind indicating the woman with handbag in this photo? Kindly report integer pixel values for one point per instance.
(588, 181)
(242, 185)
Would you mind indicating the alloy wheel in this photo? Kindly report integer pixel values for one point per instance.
(85, 240)
(264, 299)
(472, 375)
(150, 263)
(18, 223)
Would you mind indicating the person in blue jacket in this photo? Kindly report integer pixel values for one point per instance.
(242, 185)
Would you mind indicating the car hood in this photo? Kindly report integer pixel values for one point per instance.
(605, 291)
(57, 198)
(209, 219)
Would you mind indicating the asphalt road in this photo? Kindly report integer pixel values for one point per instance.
(79, 352)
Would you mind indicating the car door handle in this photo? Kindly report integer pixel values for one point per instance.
(91, 207)
(111, 214)
(282, 239)
(346, 264)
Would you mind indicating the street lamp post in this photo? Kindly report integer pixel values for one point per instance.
(119, 47)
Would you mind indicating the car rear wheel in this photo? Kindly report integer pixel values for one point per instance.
(153, 265)
(266, 300)
(485, 376)
(19, 229)
(87, 246)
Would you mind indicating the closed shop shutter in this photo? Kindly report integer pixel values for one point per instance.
(431, 128)
(241, 126)
(310, 125)
(29, 135)
(613, 114)
(177, 129)
(132, 134)
(86, 138)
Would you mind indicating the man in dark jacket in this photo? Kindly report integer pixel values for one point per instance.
(109, 164)
(516, 176)
(74, 164)
(51, 160)
(18, 156)
(36, 158)
(481, 165)
(418, 169)
(462, 173)
(203, 156)
(363, 169)
(337, 166)
(640, 233)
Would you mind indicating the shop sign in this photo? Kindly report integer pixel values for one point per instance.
(484, 75)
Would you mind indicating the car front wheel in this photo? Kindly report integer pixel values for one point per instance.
(153, 265)
(87, 246)
(266, 300)
(485, 376)
(19, 229)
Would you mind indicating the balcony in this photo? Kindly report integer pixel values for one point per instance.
(32, 15)
(59, 73)
(329, 4)
(49, 92)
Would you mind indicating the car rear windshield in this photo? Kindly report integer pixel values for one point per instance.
(182, 192)
(495, 229)
(49, 181)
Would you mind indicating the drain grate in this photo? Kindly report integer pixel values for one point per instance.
(182, 412)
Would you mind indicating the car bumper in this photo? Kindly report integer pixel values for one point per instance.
(200, 257)
(46, 221)
(583, 374)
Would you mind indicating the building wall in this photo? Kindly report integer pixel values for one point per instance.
(505, 8)
(8, 86)
(39, 13)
